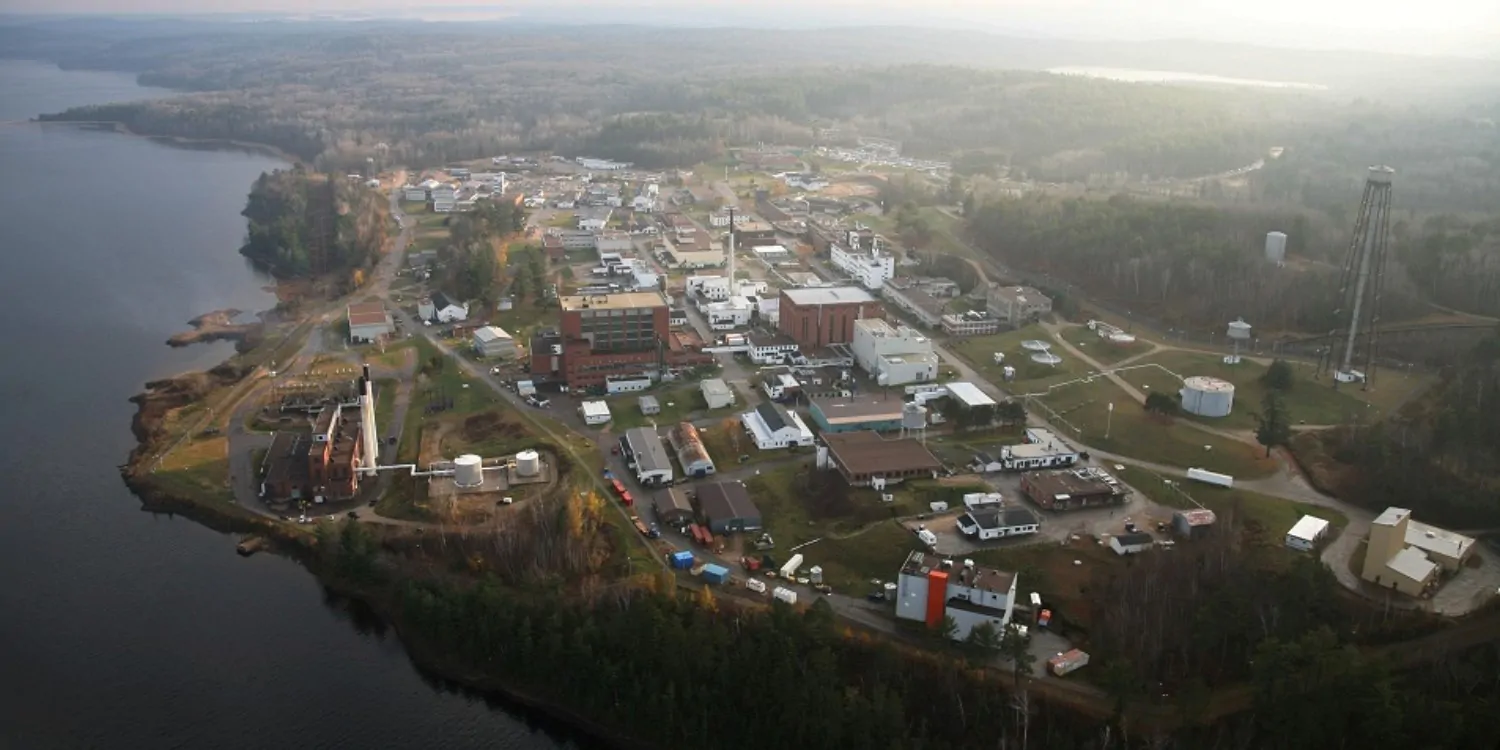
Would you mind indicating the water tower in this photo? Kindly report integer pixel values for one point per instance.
(1276, 247)
(1239, 331)
(1363, 282)
(914, 421)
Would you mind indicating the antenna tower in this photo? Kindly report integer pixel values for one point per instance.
(1363, 281)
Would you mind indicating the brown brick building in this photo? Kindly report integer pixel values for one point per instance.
(818, 316)
(609, 335)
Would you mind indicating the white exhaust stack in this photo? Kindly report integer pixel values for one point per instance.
(367, 421)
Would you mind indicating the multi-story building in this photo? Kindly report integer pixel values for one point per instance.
(818, 317)
(870, 268)
(971, 323)
(1017, 305)
(893, 355)
(931, 588)
(610, 336)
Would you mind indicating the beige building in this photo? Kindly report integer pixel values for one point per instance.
(1407, 556)
(1018, 305)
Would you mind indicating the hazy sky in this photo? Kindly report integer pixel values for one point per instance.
(1406, 25)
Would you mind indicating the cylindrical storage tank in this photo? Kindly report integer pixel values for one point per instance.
(468, 470)
(528, 463)
(913, 416)
(1207, 397)
(1275, 247)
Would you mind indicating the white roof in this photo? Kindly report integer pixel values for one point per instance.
(1411, 563)
(594, 409)
(969, 394)
(714, 386)
(491, 333)
(827, 295)
(1308, 528)
(1392, 516)
(1437, 541)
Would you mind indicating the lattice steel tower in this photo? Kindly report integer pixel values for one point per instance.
(1363, 280)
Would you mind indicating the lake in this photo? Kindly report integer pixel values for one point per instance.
(1131, 75)
(120, 628)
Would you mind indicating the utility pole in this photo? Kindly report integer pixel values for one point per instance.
(1109, 420)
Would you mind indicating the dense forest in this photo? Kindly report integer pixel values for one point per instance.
(302, 223)
(1440, 457)
(1454, 262)
(1177, 262)
(473, 262)
(340, 94)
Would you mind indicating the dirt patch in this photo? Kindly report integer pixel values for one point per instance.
(219, 325)
(162, 397)
(489, 426)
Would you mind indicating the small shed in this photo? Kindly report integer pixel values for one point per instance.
(1305, 534)
(673, 508)
(717, 393)
(1192, 524)
(1130, 544)
(594, 412)
(649, 405)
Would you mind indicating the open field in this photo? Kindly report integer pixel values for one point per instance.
(1309, 401)
(1102, 351)
(1133, 433)
(677, 404)
(200, 467)
(980, 352)
(858, 537)
(1266, 518)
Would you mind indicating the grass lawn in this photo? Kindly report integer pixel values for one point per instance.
(1135, 434)
(1102, 351)
(562, 220)
(524, 318)
(980, 351)
(1309, 401)
(799, 504)
(677, 404)
(414, 208)
(198, 467)
(726, 441)
(1062, 574)
(429, 240)
(447, 382)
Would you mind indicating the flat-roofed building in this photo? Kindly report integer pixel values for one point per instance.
(1070, 489)
(893, 355)
(972, 323)
(494, 341)
(916, 300)
(1306, 533)
(930, 588)
(867, 459)
(856, 414)
(1408, 556)
(817, 317)
(1017, 305)
(608, 337)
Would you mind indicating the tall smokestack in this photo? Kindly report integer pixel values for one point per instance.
(367, 421)
(729, 262)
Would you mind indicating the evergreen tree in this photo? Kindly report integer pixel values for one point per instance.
(1275, 427)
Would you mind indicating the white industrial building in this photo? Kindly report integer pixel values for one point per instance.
(779, 385)
(716, 393)
(1130, 544)
(594, 412)
(930, 588)
(773, 426)
(998, 522)
(893, 355)
(1042, 450)
(871, 269)
(968, 394)
(494, 341)
(735, 312)
(414, 193)
(647, 457)
(1305, 534)
(437, 308)
(768, 348)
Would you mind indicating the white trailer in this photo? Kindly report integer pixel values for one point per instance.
(784, 595)
(790, 568)
(1211, 477)
(525, 387)
(756, 585)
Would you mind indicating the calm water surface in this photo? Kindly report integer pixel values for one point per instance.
(120, 629)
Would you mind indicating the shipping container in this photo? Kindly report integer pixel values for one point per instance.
(1211, 477)
(1069, 662)
(715, 573)
(756, 585)
(682, 560)
(784, 595)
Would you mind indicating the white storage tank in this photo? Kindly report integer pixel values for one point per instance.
(1207, 397)
(468, 470)
(1276, 247)
(528, 463)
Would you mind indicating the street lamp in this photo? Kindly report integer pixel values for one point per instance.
(1109, 420)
